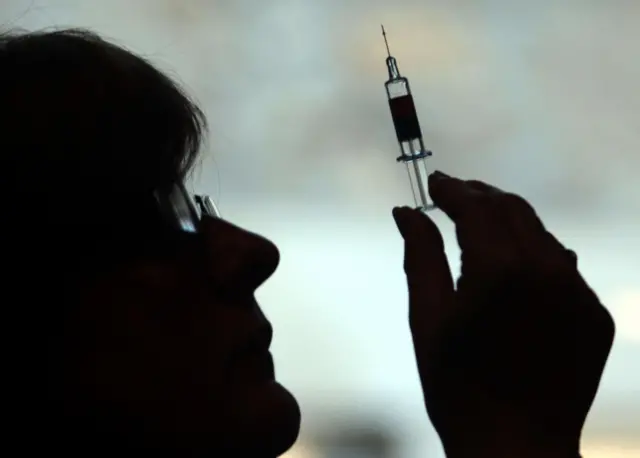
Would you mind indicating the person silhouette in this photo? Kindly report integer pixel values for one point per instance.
(145, 308)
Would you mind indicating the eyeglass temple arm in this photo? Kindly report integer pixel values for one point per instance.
(206, 205)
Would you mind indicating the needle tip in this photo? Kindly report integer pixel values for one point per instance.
(384, 34)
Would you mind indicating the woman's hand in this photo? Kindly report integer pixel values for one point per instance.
(510, 358)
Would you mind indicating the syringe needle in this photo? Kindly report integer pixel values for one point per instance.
(386, 43)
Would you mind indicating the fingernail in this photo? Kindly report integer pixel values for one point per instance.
(400, 217)
(397, 214)
(439, 174)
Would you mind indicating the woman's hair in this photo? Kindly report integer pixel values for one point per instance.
(90, 134)
(88, 126)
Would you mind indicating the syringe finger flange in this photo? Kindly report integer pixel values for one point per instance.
(413, 157)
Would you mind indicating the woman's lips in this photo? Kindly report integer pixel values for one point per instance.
(253, 367)
(252, 360)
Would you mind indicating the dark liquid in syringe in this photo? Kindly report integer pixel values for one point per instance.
(405, 118)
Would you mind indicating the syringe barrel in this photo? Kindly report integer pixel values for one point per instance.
(418, 179)
(412, 150)
(403, 110)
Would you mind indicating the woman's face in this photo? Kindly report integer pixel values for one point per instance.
(175, 351)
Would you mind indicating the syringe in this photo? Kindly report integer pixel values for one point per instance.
(407, 126)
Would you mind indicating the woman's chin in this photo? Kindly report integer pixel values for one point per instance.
(265, 419)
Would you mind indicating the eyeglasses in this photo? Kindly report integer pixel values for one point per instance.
(183, 212)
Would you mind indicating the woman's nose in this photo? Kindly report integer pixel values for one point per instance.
(241, 260)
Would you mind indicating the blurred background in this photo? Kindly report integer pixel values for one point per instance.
(540, 98)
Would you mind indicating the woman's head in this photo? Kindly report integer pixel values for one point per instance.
(155, 338)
